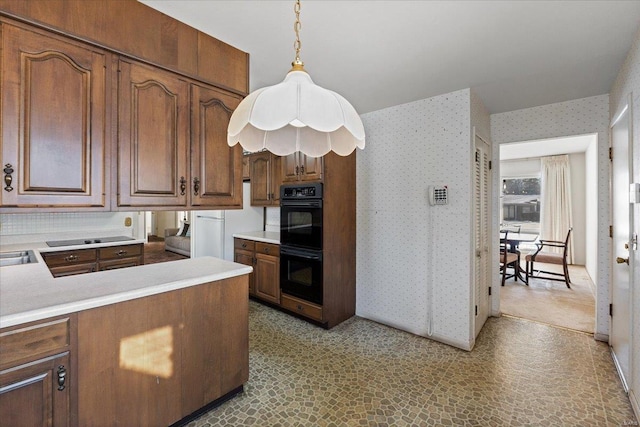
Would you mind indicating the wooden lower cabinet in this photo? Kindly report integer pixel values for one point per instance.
(30, 394)
(304, 308)
(81, 261)
(154, 360)
(265, 260)
(245, 257)
(36, 378)
(267, 272)
(113, 257)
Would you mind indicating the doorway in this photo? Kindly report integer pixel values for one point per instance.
(544, 300)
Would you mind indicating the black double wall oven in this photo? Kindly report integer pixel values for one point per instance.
(301, 241)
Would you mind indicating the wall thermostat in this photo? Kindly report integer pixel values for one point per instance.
(438, 195)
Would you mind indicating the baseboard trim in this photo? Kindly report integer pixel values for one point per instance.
(463, 345)
(635, 405)
(601, 337)
(219, 401)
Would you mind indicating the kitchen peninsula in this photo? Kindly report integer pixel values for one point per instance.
(146, 345)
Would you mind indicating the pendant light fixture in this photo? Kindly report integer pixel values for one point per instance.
(296, 115)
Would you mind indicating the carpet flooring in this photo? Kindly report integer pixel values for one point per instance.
(552, 302)
(361, 373)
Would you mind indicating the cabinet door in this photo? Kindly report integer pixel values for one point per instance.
(246, 258)
(310, 168)
(30, 394)
(216, 168)
(260, 172)
(300, 167)
(290, 167)
(153, 137)
(245, 168)
(276, 179)
(267, 278)
(53, 121)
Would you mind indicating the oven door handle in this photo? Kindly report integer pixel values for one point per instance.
(301, 203)
(300, 255)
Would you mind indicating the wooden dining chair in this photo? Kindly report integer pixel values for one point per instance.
(507, 258)
(547, 257)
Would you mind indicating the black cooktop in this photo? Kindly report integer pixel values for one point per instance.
(76, 242)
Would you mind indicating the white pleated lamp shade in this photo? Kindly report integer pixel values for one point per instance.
(296, 115)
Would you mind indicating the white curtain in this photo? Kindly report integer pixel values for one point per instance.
(556, 217)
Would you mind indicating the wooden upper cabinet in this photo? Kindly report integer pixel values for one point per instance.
(216, 168)
(300, 167)
(265, 175)
(53, 121)
(153, 137)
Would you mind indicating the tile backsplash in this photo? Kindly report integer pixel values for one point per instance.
(272, 219)
(17, 228)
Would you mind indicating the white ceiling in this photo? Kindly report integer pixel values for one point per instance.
(514, 54)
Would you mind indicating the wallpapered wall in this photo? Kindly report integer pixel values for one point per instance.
(413, 259)
(577, 117)
(626, 84)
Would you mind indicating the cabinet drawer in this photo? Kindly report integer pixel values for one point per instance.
(118, 252)
(81, 256)
(267, 249)
(299, 306)
(34, 341)
(119, 263)
(71, 270)
(247, 245)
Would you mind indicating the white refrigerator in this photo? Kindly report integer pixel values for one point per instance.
(212, 231)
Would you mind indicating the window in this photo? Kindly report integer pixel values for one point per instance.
(521, 203)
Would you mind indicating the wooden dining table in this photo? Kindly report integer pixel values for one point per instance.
(513, 242)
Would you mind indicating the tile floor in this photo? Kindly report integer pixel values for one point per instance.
(361, 373)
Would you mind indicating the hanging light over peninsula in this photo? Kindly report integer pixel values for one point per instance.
(296, 115)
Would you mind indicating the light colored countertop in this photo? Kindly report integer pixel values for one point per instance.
(260, 236)
(29, 292)
(43, 247)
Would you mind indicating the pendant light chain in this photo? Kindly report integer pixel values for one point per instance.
(297, 45)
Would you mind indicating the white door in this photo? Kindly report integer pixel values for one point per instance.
(620, 335)
(482, 235)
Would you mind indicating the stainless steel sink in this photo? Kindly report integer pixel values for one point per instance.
(17, 258)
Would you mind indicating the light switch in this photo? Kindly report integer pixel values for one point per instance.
(127, 221)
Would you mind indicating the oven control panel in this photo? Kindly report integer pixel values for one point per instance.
(297, 191)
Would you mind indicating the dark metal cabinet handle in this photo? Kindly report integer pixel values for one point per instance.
(297, 170)
(121, 252)
(244, 245)
(196, 186)
(183, 185)
(300, 308)
(62, 377)
(8, 179)
(71, 258)
(266, 250)
(302, 170)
